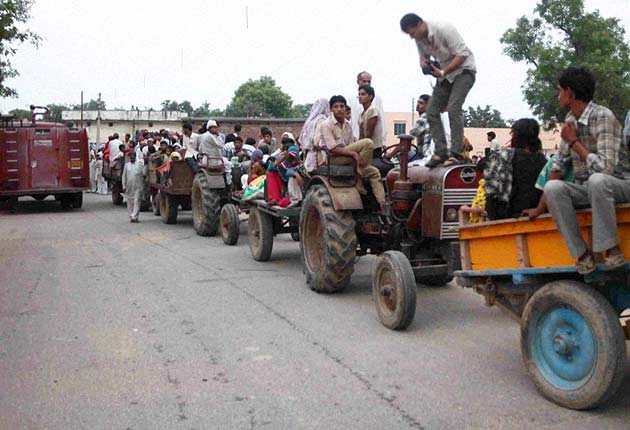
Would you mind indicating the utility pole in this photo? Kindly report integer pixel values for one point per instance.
(81, 109)
(98, 121)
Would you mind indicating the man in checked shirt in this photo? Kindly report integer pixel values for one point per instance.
(591, 141)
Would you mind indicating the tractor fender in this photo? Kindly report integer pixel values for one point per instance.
(343, 198)
(214, 181)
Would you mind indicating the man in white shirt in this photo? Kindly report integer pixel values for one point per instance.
(455, 76)
(190, 145)
(364, 78)
(114, 147)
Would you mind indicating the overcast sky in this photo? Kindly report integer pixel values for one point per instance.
(139, 52)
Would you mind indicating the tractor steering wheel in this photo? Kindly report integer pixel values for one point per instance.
(393, 150)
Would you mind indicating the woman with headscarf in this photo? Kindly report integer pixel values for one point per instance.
(311, 131)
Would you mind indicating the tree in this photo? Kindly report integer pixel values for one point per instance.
(202, 111)
(54, 111)
(169, 105)
(483, 118)
(185, 106)
(21, 113)
(260, 98)
(13, 13)
(562, 33)
(91, 105)
(301, 111)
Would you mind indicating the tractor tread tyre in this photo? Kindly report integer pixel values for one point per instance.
(605, 334)
(394, 290)
(260, 234)
(328, 242)
(206, 207)
(230, 224)
(168, 208)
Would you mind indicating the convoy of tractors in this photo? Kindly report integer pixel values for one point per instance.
(573, 334)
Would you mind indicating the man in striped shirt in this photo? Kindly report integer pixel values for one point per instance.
(592, 145)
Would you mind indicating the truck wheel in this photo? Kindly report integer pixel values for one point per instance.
(573, 345)
(206, 207)
(66, 201)
(77, 200)
(328, 242)
(168, 208)
(117, 197)
(260, 234)
(230, 224)
(155, 202)
(394, 290)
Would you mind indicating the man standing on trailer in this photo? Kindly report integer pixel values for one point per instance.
(455, 77)
(592, 145)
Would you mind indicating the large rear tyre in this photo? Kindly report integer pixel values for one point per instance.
(155, 203)
(573, 345)
(168, 208)
(77, 200)
(328, 242)
(260, 234)
(230, 224)
(206, 207)
(394, 290)
(117, 197)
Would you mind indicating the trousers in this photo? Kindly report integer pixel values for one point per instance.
(365, 148)
(449, 97)
(601, 192)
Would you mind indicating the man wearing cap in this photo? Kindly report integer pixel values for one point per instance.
(209, 143)
(455, 77)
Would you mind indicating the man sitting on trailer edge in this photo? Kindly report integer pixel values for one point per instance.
(337, 137)
(591, 142)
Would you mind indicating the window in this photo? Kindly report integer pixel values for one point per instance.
(111, 124)
(150, 124)
(400, 128)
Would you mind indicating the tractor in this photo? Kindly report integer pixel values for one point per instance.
(414, 236)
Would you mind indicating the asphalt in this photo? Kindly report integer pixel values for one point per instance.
(106, 324)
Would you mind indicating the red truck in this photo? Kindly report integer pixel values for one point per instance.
(39, 159)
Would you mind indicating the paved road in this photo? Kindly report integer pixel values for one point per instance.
(110, 325)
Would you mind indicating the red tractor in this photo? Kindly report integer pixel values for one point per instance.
(39, 159)
(415, 240)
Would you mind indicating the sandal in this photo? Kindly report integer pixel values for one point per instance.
(435, 161)
(615, 261)
(586, 265)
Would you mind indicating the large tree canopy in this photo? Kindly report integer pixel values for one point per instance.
(260, 98)
(12, 14)
(562, 33)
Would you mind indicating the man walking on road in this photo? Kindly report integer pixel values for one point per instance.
(132, 186)
(455, 71)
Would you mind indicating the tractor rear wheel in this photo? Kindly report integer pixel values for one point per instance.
(206, 206)
(328, 242)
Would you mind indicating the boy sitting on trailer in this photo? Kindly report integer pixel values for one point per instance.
(592, 145)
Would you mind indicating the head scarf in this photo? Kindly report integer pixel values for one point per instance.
(319, 112)
(257, 155)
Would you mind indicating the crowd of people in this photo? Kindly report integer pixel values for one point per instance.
(590, 169)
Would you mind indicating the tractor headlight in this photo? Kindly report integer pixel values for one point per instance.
(451, 215)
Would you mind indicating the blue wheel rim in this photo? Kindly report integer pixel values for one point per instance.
(563, 347)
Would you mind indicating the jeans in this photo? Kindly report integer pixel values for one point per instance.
(449, 97)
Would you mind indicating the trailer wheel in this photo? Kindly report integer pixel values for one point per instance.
(77, 200)
(206, 206)
(328, 242)
(230, 224)
(168, 208)
(145, 202)
(295, 222)
(260, 234)
(186, 204)
(573, 345)
(155, 202)
(394, 290)
(117, 197)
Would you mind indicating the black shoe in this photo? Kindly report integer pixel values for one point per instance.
(435, 161)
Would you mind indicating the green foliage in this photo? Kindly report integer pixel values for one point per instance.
(260, 98)
(54, 112)
(21, 113)
(91, 105)
(301, 111)
(172, 105)
(12, 14)
(483, 118)
(562, 33)
(202, 111)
